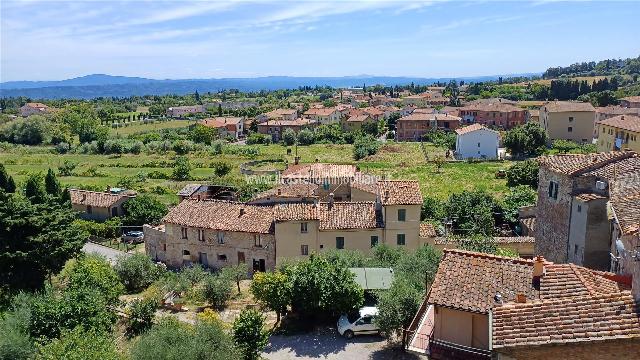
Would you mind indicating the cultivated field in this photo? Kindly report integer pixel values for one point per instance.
(148, 171)
(139, 128)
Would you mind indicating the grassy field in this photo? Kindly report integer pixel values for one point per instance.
(393, 161)
(138, 128)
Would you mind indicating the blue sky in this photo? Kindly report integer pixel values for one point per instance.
(51, 40)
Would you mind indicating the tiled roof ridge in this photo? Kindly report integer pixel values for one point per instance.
(580, 277)
(481, 255)
(598, 164)
(97, 192)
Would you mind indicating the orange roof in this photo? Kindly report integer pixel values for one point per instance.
(221, 215)
(339, 216)
(566, 320)
(471, 128)
(393, 192)
(573, 164)
(320, 111)
(568, 106)
(429, 117)
(427, 230)
(631, 98)
(95, 198)
(358, 118)
(625, 122)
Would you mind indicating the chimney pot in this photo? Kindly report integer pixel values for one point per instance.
(538, 267)
(241, 211)
(330, 200)
(521, 298)
(279, 191)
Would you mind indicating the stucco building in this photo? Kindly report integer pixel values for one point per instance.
(180, 111)
(484, 306)
(568, 120)
(275, 128)
(232, 127)
(477, 142)
(33, 108)
(496, 113)
(413, 127)
(620, 132)
(323, 115)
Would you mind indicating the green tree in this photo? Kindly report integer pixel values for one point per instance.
(397, 307)
(137, 272)
(216, 290)
(141, 313)
(143, 209)
(518, 197)
(236, 273)
(249, 333)
(322, 289)
(432, 209)
(202, 134)
(472, 212)
(272, 290)
(78, 344)
(93, 272)
(34, 189)
(221, 168)
(181, 169)
(51, 184)
(527, 140)
(306, 137)
(564, 146)
(15, 341)
(523, 173)
(36, 241)
(6, 181)
(288, 137)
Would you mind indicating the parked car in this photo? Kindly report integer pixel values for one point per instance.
(359, 322)
(133, 237)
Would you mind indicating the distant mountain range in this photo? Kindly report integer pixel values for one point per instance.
(101, 85)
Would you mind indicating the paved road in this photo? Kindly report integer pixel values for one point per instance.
(332, 346)
(109, 253)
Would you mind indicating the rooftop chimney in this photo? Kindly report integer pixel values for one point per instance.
(538, 271)
(241, 211)
(330, 200)
(279, 191)
(386, 194)
(521, 298)
(378, 203)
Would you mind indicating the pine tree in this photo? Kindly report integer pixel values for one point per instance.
(51, 184)
(6, 182)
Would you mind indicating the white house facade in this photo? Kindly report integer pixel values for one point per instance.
(477, 142)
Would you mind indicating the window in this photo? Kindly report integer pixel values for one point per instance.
(304, 227)
(200, 234)
(89, 209)
(220, 237)
(579, 208)
(575, 249)
(553, 189)
(570, 118)
(478, 144)
(222, 257)
(257, 240)
(400, 239)
(183, 231)
(164, 247)
(339, 242)
(570, 129)
(374, 240)
(402, 214)
(304, 249)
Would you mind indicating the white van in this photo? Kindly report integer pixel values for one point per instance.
(359, 322)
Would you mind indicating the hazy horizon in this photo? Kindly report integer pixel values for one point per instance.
(56, 40)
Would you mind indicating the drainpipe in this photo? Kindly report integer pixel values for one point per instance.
(491, 330)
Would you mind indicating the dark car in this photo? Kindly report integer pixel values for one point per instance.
(133, 237)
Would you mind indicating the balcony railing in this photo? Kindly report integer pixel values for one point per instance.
(444, 350)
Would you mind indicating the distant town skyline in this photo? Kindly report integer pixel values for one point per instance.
(54, 40)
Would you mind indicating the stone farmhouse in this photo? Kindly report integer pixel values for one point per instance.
(483, 306)
(96, 205)
(32, 108)
(300, 217)
(232, 127)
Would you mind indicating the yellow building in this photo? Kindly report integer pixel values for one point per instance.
(568, 120)
(96, 205)
(618, 133)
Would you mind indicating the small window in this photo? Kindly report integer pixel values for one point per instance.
(579, 208)
(570, 118)
(304, 227)
(304, 249)
(570, 129)
(200, 234)
(402, 214)
(220, 237)
(257, 240)
(553, 189)
(374, 240)
(186, 253)
(339, 242)
(164, 247)
(478, 144)
(183, 232)
(321, 246)
(89, 209)
(401, 239)
(575, 249)
(222, 257)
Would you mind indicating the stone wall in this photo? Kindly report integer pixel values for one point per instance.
(552, 216)
(155, 240)
(213, 254)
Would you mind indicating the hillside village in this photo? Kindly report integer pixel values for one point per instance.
(511, 228)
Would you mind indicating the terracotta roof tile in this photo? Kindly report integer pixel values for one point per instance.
(342, 215)
(500, 240)
(427, 230)
(530, 223)
(473, 127)
(307, 190)
(95, 198)
(568, 106)
(566, 320)
(625, 122)
(469, 281)
(572, 164)
(631, 98)
(399, 192)
(626, 206)
(221, 215)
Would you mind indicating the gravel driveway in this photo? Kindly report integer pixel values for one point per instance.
(329, 345)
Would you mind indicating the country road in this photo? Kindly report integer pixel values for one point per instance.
(109, 253)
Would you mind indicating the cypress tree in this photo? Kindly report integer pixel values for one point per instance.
(51, 184)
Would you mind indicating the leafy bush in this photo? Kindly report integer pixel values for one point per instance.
(221, 168)
(306, 137)
(181, 169)
(473, 212)
(257, 138)
(182, 147)
(523, 173)
(365, 146)
(432, 209)
(217, 290)
(441, 138)
(137, 272)
(80, 344)
(66, 169)
(143, 209)
(62, 147)
(272, 290)
(288, 137)
(527, 140)
(518, 197)
(141, 313)
(109, 229)
(249, 333)
(113, 147)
